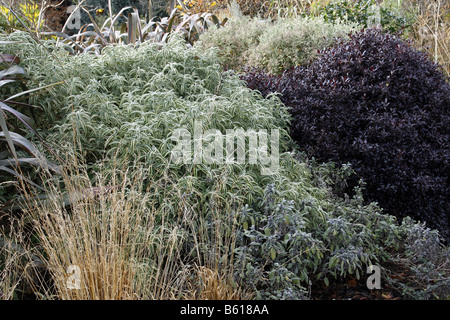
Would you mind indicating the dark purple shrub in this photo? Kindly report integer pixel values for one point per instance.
(379, 104)
(258, 79)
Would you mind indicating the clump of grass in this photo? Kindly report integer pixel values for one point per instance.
(21, 271)
(106, 235)
(209, 284)
(430, 30)
(11, 269)
(102, 238)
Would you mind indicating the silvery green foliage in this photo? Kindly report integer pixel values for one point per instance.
(429, 260)
(132, 99)
(422, 243)
(279, 251)
(273, 249)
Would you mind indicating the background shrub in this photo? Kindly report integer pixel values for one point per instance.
(273, 46)
(27, 12)
(365, 13)
(234, 40)
(375, 102)
(295, 42)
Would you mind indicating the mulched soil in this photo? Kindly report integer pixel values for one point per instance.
(352, 289)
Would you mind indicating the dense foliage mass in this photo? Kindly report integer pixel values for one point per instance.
(366, 13)
(281, 231)
(273, 46)
(378, 104)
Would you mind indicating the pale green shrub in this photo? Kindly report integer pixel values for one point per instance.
(272, 46)
(234, 40)
(294, 42)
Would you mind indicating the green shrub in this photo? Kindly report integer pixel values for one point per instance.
(283, 247)
(234, 40)
(279, 250)
(428, 261)
(273, 46)
(294, 42)
(365, 13)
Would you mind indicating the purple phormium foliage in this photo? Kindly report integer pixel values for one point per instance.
(374, 101)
